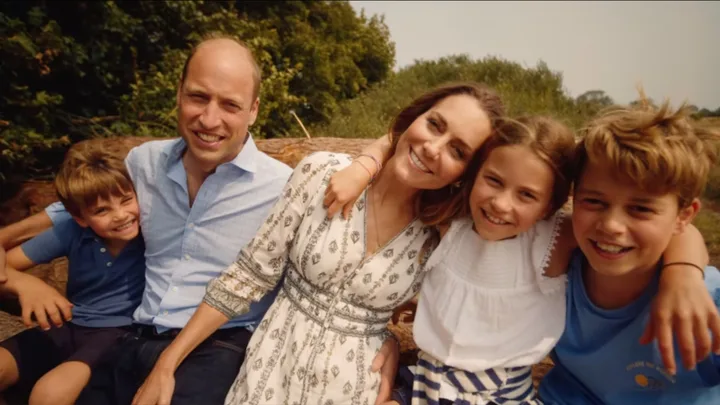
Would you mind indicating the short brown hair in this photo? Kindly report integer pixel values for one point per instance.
(552, 141)
(88, 173)
(442, 205)
(660, 150)
(257, 72)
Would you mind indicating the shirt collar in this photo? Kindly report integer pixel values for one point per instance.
(245, 160)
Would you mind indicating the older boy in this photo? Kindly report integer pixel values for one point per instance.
(105, 280)
(639, 175)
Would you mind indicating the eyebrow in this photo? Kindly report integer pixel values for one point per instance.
(637, 200)
(436, 114)
(190, 89)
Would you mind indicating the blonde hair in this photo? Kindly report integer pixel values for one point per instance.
(660, 150)
(257, 72)
(442, 205)
(88, 173)
(551, 141)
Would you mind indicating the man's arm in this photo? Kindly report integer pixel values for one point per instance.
(21, 231)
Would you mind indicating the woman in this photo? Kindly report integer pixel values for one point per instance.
(342, 279)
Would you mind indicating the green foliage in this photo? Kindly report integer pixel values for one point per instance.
(76, 70)
(525, 90)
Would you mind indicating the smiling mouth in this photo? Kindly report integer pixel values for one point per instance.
(493, 219)
(610, 248)
(124, 227)
(417, 163)
(208, 138)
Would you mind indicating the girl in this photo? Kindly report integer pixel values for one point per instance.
(494, 303)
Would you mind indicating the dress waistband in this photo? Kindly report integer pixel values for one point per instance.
(331, 309)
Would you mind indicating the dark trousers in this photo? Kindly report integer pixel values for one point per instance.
(204, 377)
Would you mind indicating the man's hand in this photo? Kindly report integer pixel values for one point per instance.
(386, 361)
(39, 299)
(684, 306)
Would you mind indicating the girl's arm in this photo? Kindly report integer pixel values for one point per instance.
(683, 305)
(346, 185)
(564, 246)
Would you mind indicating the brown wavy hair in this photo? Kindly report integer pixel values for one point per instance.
(440, 206)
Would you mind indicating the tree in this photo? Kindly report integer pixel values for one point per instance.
(75, 70)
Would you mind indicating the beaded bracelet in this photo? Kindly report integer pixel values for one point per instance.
(687, 264)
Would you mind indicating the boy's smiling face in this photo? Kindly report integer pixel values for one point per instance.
(620, 228)
(113, 219)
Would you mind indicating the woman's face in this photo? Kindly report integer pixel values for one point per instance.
(437, 147)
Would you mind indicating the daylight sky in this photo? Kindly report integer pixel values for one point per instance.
(673, 48)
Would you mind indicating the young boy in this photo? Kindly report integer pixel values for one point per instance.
(640, 172)
(105, 280)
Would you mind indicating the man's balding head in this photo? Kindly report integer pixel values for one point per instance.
(228, 46)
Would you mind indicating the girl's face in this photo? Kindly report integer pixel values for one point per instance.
(437, 147)
(512, 192)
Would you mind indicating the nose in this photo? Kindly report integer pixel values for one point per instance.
(210, 118)
(502, 202)
(432, 148)
(611, 224)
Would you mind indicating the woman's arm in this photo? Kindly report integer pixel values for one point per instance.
(347, 184)
(258, 268)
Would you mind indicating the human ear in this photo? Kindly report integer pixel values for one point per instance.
(686, 215)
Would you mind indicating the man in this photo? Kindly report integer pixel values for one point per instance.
(202, 197)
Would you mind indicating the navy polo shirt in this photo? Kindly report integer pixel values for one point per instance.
(104, 290)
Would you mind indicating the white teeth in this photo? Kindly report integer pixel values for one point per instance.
(494, 220)
(609, 248)
(207, 137)
(124, 226)
(417, 162)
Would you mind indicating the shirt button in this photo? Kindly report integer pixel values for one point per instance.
(175, 289)
(191, 225)
(165, 312)
(103, 250)
(109, 264)
(187, 257)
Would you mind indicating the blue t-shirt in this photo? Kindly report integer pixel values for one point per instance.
(599, 359)
(104, 290)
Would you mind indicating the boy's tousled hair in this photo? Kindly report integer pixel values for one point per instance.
(660, 149)
(551, 141)
(88, 173)
(442, 205)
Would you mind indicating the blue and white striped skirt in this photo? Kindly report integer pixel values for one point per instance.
(505, 386)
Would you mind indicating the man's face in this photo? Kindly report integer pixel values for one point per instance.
(216, 104)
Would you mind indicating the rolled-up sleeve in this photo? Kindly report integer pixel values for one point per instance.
(261, 263)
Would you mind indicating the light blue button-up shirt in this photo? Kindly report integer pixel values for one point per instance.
(186, 247)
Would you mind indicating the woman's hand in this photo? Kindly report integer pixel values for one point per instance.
(386, 361)
(684, 306)
(346, 186)
(158, 387)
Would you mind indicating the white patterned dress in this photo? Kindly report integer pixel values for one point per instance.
(317, 341)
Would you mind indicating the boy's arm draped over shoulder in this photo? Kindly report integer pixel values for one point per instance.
(346, 185)
(261, 263)
(683, 305)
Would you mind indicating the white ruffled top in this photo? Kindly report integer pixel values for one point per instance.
(486, 304)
